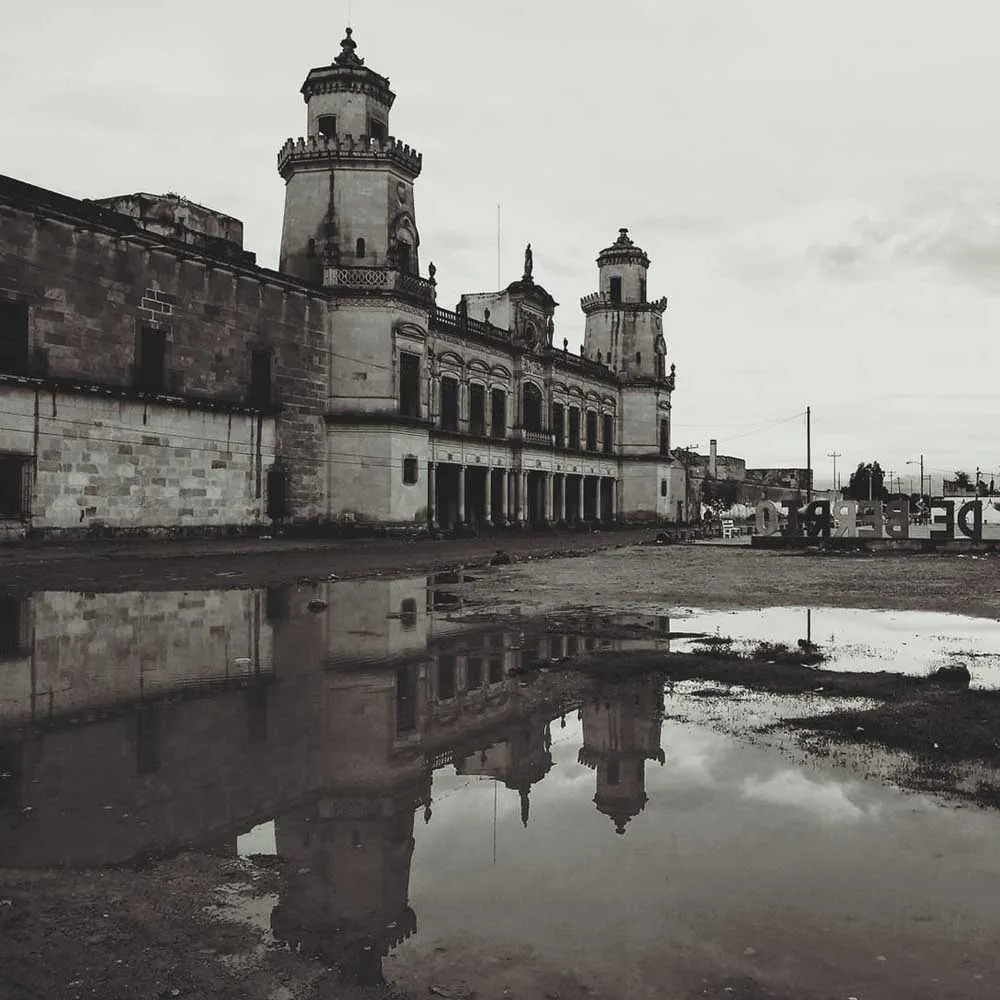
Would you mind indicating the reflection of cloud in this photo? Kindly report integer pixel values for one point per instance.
(793, 788)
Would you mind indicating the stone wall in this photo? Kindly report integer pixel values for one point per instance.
(93, 278)
(99, 462)
(93, 651)
(366, 474)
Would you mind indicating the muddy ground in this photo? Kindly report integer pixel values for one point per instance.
(146, 932)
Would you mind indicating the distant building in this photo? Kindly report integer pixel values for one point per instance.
(705, 473)
(155, 377)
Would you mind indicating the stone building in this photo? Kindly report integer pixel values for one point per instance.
(154, 376)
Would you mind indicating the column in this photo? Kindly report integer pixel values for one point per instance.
(619, 497)
(598, 482)
(562, 497)
(461, 494)
(612, 506)
(489, 497)
(432, 494)
(579, 495)
(522, 500)
(550, 481)
(511, 496)
(504, 506)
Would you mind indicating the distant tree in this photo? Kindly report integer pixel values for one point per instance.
(867, 482)
(963, 482)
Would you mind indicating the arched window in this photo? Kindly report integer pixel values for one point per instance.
(638, 358)
(359, 249)
(532, 407)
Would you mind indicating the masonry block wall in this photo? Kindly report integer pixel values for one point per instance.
(94, 281)
(97, 650)
(90, 461)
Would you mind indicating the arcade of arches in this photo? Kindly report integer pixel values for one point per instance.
(476, 496)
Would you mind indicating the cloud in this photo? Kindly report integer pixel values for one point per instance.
(792, 788)
(959, 233)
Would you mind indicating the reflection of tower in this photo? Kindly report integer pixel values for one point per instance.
(520, 761)
(349, 874)
(621, 731)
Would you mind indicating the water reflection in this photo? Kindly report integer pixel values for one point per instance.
(368, 739)
(138, 724)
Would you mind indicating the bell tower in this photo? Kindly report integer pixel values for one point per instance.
(348, 182)
(622, 325)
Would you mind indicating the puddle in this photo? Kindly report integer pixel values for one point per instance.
(423, 804)
(912, 643)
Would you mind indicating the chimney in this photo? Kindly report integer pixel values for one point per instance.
(713, 458)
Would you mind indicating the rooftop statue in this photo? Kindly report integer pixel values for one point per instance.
(528, 262)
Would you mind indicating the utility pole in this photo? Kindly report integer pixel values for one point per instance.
(809, 471)
(834, 455)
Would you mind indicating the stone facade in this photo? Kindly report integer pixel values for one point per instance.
(351, 396)
(81, 652)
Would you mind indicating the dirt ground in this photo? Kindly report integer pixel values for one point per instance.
(151, 931)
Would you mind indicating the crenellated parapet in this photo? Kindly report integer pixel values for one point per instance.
(597, 301)
(347, 150)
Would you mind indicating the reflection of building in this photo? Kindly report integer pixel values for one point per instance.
(66, 652)
(348, 862)
(621, 731)
(520, 761)
(366, 697)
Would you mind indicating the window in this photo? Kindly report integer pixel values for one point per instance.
(663, 487)
(660, 369)
(449, 404)
(409, 470)
(406, 700)
(532, 407)
(638, 358)
(359, 247)
(14, 491)
(559, 424)
(377, 130)
(477, 409)
(311, 249)
(408, 613)
(327, 125)
(664, 436)
(409, 384)
(591, 430)
(14, 338)
(574, 428)
(616, 289)
(642, 289)
(260, 378)
(276, 604)
(474, 674)
(150, 361)
(277, 490)
(13, 629)
(403, 256)
(498, 401)
(609, 433)
(446, 678)
(496, 671)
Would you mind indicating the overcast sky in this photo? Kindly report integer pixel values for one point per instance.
(818, 185)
